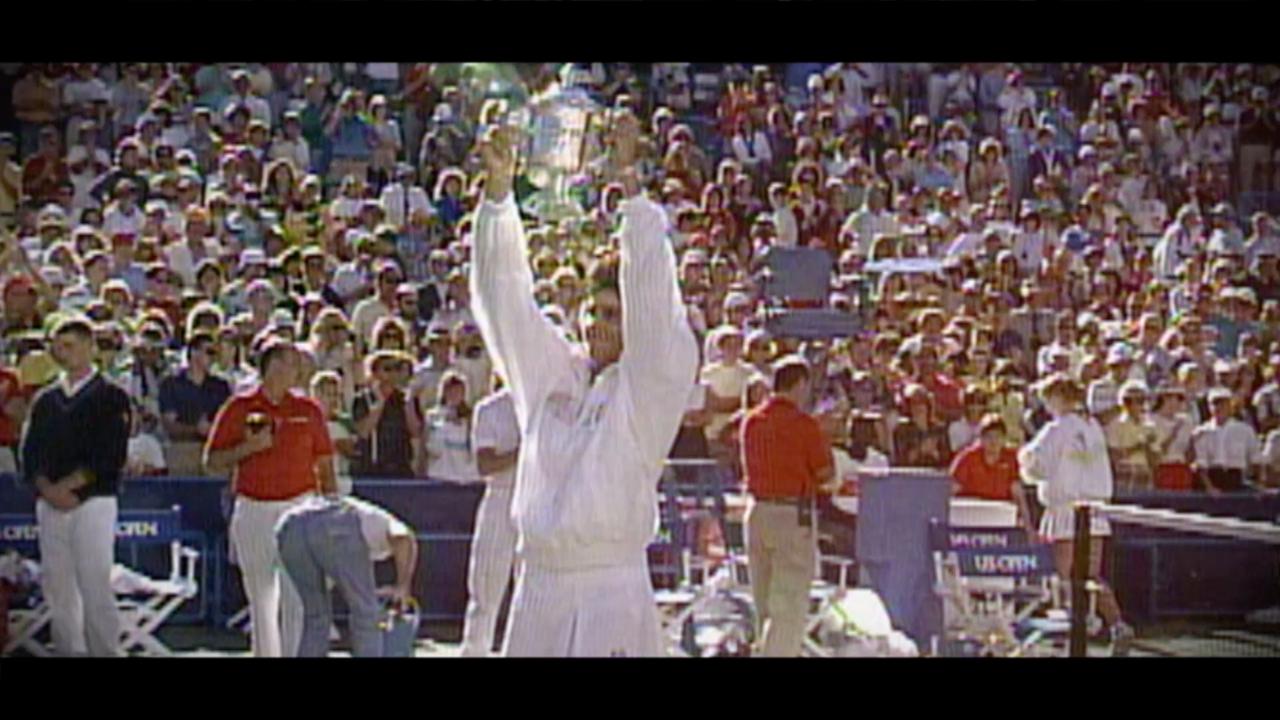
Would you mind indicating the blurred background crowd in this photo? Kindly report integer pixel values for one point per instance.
(989, 224)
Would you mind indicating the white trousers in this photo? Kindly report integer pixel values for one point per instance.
(77, 550)
(493, 551)
(275, 608)
(597, 612)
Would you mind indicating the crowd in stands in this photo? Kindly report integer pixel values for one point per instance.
(990, 225)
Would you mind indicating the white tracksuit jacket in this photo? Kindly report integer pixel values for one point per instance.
(585, 503)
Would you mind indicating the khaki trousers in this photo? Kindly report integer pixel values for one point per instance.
(782, 558)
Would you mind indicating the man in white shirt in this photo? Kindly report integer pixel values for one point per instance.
(184, 257)
(1178, 244)
(124, 217)
(402, 199)
(292, 146)
(1225, 448)
(242, 94)
(783, 218)
(341, 539)
(496, 440)
(726, 378)
(597, 422)
(371, 309)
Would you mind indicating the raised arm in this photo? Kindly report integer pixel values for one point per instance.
(660, 355)
(527, 348)
(659, 344)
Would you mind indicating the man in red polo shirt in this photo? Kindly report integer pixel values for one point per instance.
(274, 442)
(988, 469)
(787, 460)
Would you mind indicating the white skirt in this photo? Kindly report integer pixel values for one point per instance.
(1059, 523)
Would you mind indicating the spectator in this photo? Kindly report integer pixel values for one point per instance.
(189, 399)
(385, 422)
(1226, 449)
(351, 140)
(144, 456)
(388, 145)
(920, 438)
(1172, 430)
(446, 445)
(44, 172)
(988, 469)
(368, 311)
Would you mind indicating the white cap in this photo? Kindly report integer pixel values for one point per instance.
(1102, 397)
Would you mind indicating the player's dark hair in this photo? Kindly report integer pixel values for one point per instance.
(788, 373)
(75, 326)
(198, 341)
(603, 273)
(271, 348)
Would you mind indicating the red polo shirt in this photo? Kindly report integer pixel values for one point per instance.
(980, 480)
(783, 449)
(301, 439)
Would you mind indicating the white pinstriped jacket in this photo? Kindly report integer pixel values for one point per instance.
(591, 453)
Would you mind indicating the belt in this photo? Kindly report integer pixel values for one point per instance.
(792, 502)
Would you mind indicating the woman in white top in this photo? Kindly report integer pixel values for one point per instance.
(389, 141)
(1173, 440)
(447, 433)
(326, 388)
(1068, 459)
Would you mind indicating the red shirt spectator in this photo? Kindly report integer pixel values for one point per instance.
(45, 171)
(987, 469)
(288, 468)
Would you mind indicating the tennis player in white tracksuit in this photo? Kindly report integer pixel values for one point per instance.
(495, 436)
(592, 449)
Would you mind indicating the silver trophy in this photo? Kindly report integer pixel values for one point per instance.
(558, 134)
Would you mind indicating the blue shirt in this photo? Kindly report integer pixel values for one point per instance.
(191, 402)
(135, 276)
(1229, 332)
(353, 139)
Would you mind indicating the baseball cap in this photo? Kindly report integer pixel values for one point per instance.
(252, 256)
(1119, 353)
(1132, 388)
(1219, 393)
(1102, 398)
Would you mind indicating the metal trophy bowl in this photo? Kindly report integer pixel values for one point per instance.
(556, 126)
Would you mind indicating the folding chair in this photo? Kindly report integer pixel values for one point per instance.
(707, 605)
(823, 596)
(1001, 619)
(145, 603)
(799, 279)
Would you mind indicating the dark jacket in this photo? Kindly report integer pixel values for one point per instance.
(89, 431)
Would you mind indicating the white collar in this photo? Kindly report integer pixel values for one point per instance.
(72, 390)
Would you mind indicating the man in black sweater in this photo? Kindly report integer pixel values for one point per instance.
(73, 451)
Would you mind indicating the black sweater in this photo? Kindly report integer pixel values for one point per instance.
(89, 430)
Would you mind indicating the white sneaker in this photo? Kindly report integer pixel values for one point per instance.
(1121, 639)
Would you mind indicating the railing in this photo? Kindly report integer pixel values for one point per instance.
(1216, 526)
